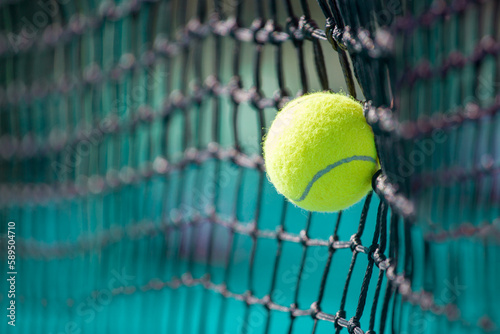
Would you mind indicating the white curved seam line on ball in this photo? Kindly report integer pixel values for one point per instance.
(329, 168)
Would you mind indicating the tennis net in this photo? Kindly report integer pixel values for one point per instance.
(131, 165)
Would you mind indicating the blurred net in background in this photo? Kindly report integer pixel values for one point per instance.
(131, 164)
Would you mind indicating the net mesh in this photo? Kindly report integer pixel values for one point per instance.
(131, 164)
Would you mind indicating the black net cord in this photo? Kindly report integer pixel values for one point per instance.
(215, 136)
(381, 216)
(278, 51)
(393, 255)
(304, 237)
(234, 237)
(196, 229)
(232, 241)
(348, 7)
(379, 257)
(254, 231)
(331, 250)
(182, 231)
(291, 28)
(408, 250)
(309, 27)
(334, 22)
(282, 92)
(258, 25)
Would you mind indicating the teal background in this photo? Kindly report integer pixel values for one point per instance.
(90, 263)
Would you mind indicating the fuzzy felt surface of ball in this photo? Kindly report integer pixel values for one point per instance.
(320, 153)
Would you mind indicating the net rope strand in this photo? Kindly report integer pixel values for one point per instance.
(268, 298)
(261, 126)
(295, 304)
(186, 279)
(190, 294)
(331, 250)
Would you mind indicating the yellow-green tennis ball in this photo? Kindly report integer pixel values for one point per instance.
(320, 152)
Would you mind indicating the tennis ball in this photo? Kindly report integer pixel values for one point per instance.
(320, 153)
